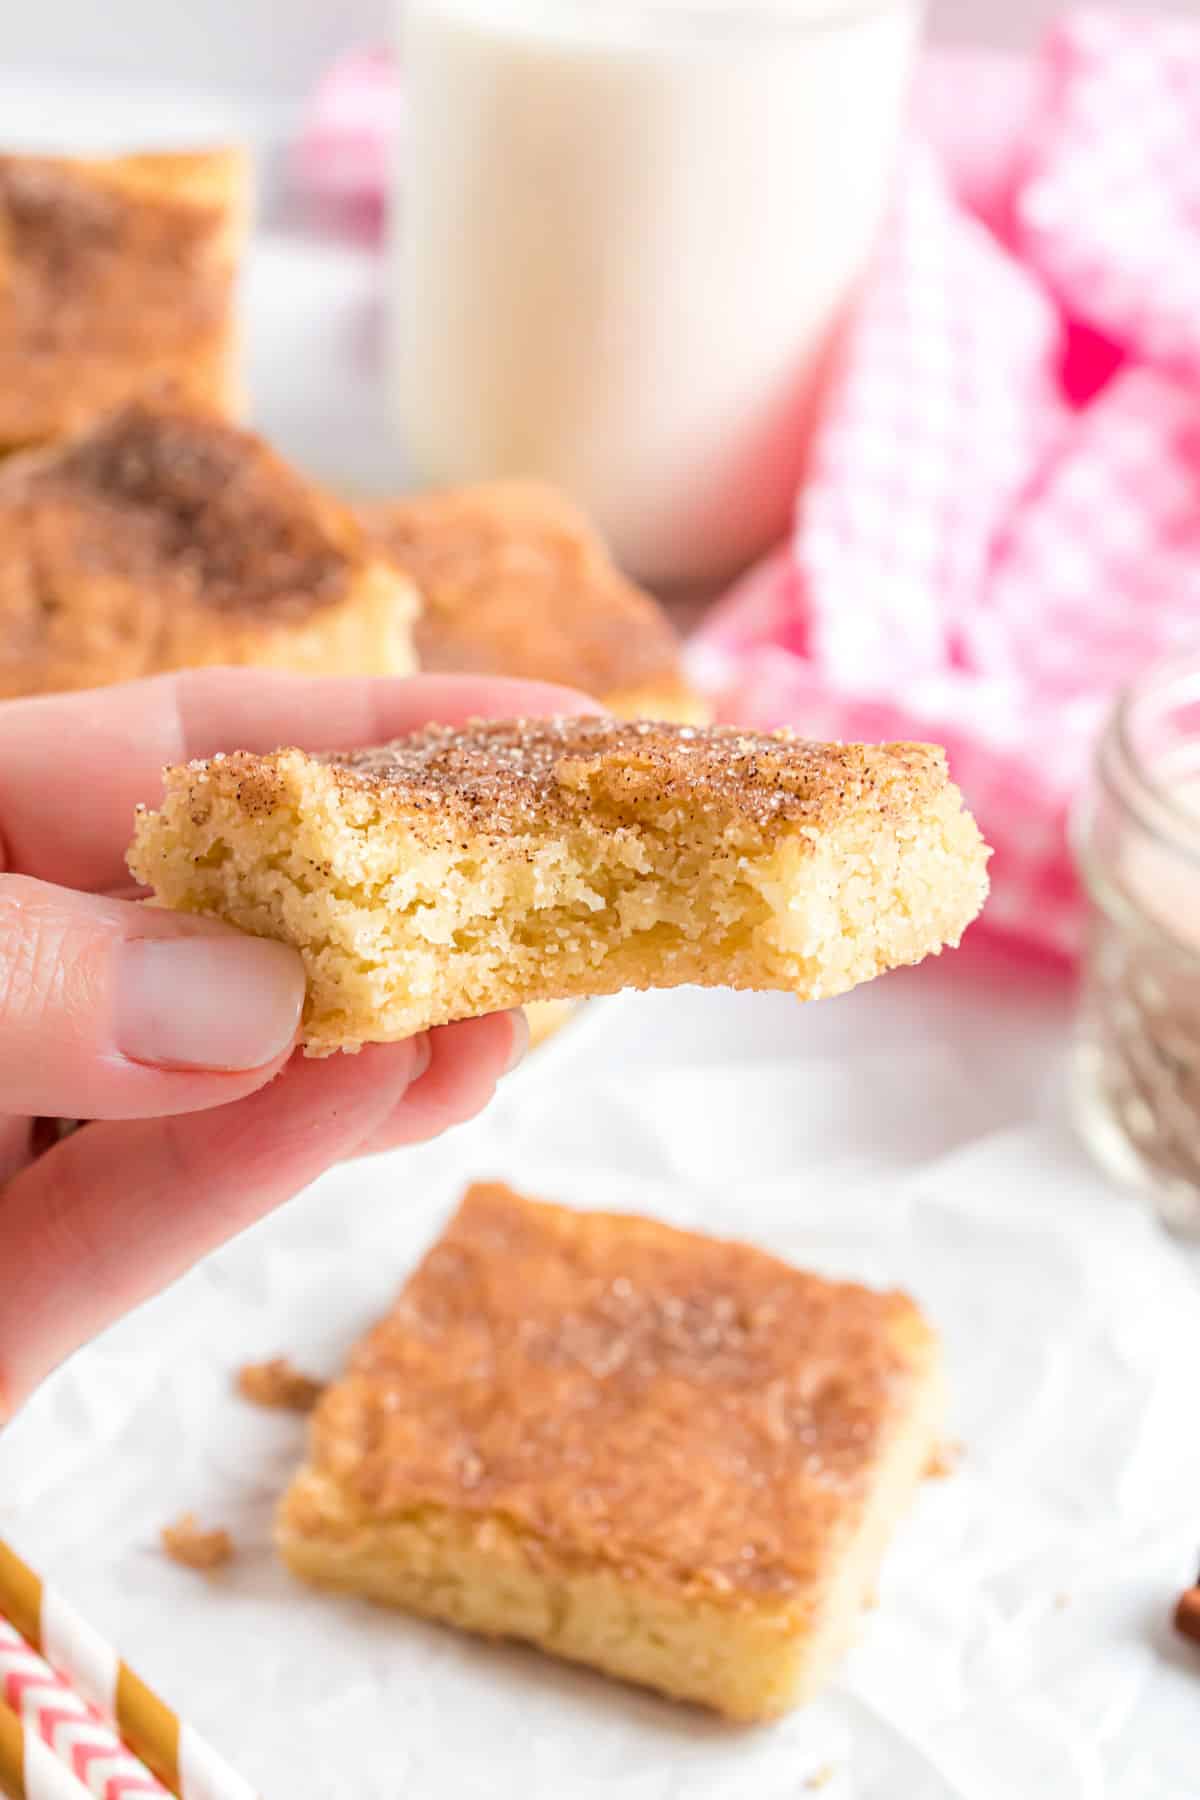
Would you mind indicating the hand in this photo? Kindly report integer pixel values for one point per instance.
(145, 1020)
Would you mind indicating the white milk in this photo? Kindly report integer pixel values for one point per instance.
(627, 236)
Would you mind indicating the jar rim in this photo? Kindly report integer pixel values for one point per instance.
(1138, 783)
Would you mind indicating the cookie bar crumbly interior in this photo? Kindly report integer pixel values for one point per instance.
(464, 870)
(674, 1459)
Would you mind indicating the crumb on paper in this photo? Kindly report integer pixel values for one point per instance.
(1187, 1614)
(189, 1543)
(945, 1460)
(1061, 1602)
(820, 1778)
(278, 1385)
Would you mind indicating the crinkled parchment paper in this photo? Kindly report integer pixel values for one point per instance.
(1021, 1647)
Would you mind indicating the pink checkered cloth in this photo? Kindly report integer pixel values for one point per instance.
(1001, 518)
(344, 153)
(1001, 521)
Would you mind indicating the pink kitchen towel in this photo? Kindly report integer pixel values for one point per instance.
(1000, 521)
(344, 153)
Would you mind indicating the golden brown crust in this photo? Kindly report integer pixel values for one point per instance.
(500, 777)
(165, 537)
(116, 279)
(173, 494)
(514, 581)
(682, 1410)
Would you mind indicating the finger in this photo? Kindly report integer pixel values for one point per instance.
(119, 1210)
(110, 1010)
(466, 1061)
(16, 1146)
(74, 766)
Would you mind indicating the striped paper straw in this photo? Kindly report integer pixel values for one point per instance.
(29, 1769)
(73, 1730)
(180, 1759)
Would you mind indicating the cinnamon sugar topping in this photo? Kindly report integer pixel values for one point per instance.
(515, 581)
(73, 233)
(504, 775)
(116, 279)
(659, 1401)
(174, 494)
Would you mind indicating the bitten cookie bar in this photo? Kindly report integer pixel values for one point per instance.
(460, 871)
(514, 581)
(675, 1459)
(165, 539)
(117, 280)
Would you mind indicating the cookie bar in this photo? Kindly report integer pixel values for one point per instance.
(671, 1458)
(165, 538)
(464, 870)
(514, 581)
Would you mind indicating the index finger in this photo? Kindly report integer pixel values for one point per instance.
(74, 766)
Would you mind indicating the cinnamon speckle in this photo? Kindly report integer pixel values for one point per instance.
(500, 774)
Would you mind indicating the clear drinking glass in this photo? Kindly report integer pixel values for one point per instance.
(1137, 842)
(628, 234)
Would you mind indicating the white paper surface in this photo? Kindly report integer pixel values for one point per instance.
(1022, 1645)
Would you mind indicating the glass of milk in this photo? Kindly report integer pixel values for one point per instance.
(627, 237)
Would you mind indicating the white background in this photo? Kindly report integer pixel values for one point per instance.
(281, 44)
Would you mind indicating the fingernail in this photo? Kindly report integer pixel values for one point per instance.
(520, 1040)
(222, 1003)
(422, 1056)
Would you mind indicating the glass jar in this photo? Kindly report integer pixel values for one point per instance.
(1136, 1076)
(629, 231)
